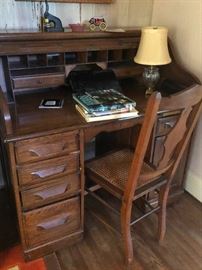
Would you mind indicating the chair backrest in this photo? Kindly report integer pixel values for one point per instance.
(187, 104)
(5, 117)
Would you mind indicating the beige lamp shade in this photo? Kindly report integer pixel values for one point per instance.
(153, 47)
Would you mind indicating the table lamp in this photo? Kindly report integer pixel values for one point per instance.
(152, 51)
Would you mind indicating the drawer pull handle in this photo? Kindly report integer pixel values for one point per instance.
(50, 224)
(169, 125)
(50, 171)
(50, 149)
(39, 81)
(54, 191)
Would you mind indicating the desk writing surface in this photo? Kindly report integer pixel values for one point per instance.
(29, 121)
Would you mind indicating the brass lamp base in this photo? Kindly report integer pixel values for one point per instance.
(149, 91)
(150, 77)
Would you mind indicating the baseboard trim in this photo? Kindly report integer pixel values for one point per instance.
(193, 185)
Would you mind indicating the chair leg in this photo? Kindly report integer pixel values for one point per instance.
(163, 198)
(126, 232)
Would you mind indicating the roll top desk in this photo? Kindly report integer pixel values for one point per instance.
(44, 149)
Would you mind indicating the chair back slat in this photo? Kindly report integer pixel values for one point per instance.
(142, 144)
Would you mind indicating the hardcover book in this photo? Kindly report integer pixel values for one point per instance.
(92, 118)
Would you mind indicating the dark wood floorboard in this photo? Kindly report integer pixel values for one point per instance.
(101, 248)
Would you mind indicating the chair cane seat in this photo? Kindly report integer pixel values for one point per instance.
(114, 169)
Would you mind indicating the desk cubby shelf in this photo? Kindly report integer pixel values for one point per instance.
(67, 58)
(35, 60)
(30, 71)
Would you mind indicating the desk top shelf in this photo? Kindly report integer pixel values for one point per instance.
(40, 60)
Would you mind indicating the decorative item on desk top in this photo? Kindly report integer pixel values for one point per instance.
(97, 23)
(152, 51)
(51, 23)
(77, 27)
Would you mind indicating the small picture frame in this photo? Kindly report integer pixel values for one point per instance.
(51, 104)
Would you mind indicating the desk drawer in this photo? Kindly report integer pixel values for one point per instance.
(38, 81)
(165, 124)
(37, 173)
(52, 222)
(46, 147)
(55, 190)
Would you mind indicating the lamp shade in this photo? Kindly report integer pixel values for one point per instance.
(153, 47)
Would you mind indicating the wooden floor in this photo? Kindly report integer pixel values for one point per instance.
(101, 248)
(8, 223)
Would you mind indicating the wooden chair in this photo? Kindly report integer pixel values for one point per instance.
(127, 176)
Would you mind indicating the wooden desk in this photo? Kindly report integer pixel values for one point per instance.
(44, 149)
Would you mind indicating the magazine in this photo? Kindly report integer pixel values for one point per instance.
(104, 100)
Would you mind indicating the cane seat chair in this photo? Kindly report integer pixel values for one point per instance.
(125, 173)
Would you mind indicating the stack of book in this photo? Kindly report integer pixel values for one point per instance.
(100, 105)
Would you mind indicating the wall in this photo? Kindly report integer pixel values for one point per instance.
(121, 13)
(184, 21)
